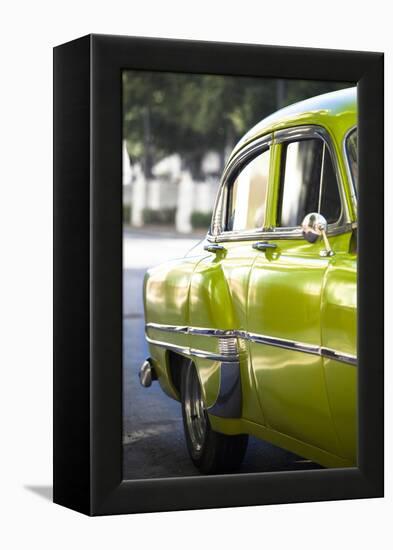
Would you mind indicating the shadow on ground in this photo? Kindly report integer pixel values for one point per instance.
(44, 491)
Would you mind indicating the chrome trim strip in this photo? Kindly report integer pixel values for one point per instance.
(282, 343)
(338, 356)
(250, 336)
(197, 331)
(202, 354)
(168, 328)
(211, 332)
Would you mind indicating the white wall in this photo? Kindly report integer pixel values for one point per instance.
(28, 32)
(127, 170)
(180, 192)
(162, 194)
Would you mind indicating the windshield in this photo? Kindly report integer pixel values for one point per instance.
(351, 147)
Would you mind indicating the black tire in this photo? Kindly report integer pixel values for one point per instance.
(210, 451)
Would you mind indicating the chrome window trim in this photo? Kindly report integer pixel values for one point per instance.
(292, 345)
(304, 131)
(342, 225)
(354, 197)
(309, 132)
(250, 150)
(272, 235)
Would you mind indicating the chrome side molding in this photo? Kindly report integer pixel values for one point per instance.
(227, 351)
(338, 356)
(193, 352)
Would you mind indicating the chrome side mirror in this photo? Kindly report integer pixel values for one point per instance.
(315, 226)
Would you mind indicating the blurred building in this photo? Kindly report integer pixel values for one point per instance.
(171, 196)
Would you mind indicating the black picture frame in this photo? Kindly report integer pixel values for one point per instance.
(88, 275)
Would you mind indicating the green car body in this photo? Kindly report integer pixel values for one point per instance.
(267, 318)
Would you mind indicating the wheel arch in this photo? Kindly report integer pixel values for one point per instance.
(175, 363)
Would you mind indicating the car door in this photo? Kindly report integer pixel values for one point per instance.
(286, 287)
(339, 326)
(219, 286)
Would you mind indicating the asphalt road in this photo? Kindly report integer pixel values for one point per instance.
(153, 442)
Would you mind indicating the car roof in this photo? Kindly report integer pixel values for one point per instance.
(336, 111)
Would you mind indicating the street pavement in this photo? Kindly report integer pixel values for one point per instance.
(153, 441)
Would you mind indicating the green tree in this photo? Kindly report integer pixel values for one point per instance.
(190, 114)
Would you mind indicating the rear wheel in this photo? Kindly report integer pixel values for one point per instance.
(210, 451)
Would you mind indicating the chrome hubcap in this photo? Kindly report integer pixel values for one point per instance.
(194, 408)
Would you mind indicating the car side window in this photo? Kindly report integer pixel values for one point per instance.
(351, 146)
(247, 195)
(308, 183)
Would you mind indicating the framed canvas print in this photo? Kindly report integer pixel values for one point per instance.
(218, 274)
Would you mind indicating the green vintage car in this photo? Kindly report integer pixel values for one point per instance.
(254, 331)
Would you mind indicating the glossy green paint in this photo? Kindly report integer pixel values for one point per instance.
(286, 291)
(301, 401)
(218, 299)
(338, 330)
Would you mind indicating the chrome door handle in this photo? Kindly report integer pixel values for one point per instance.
(213, 247)
(264, 246)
